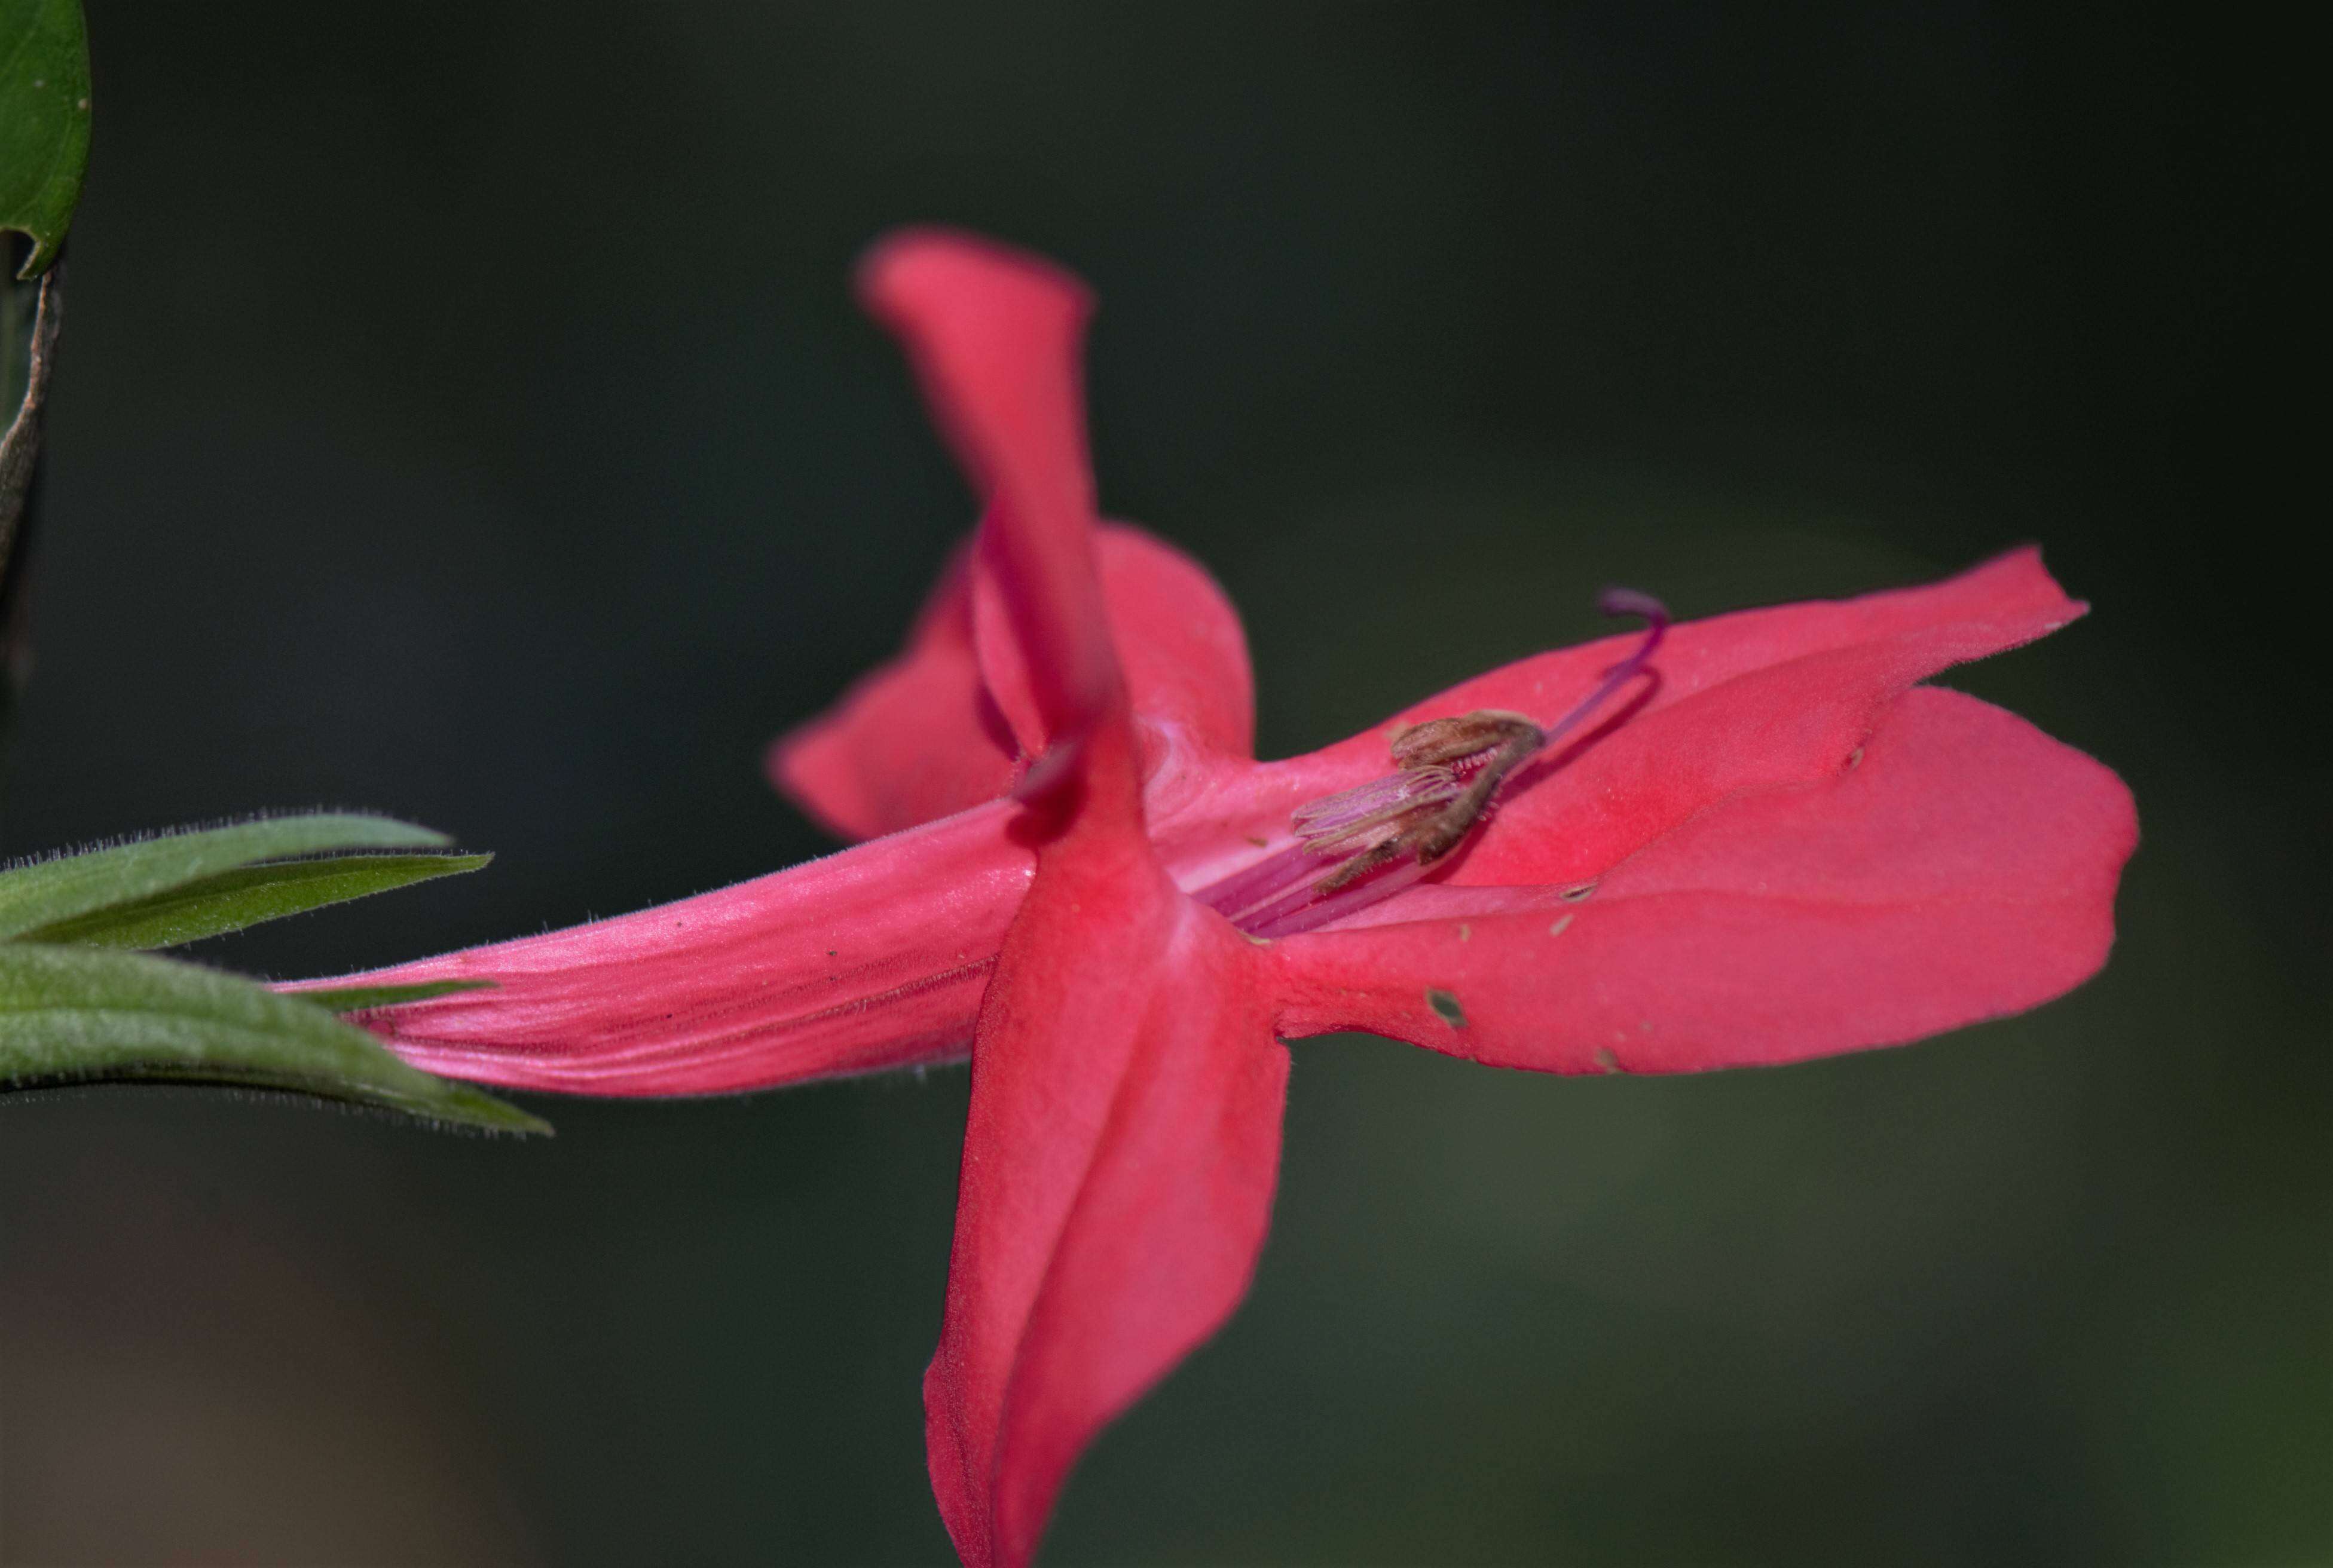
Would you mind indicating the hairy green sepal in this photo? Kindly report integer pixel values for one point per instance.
(72, 1015)
(75, 1008)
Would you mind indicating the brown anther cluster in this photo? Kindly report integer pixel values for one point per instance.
(1480, 749)
(1452, 743)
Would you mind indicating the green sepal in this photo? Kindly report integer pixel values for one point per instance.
(48, 892)
(77, 1015)
(43, 121)
(232, 900)
(371, 998)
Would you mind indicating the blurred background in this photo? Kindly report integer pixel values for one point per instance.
(463, 414)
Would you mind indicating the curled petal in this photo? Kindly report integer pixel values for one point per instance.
(1118, 1166)
(871, 959)
(922, 737)
(1179, 642)
(1963, 867)
(995, 336)
(915, 741)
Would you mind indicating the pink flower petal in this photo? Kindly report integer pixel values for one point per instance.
(995, 335)
(1179, 641)
(1746, 701)
(1742, 700)
(1998, 605)
(1124, 1133)
(916, 740)
(1963, 867)
(921, 737)
(1118, 1166)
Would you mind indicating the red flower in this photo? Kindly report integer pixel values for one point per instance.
(1772, 844)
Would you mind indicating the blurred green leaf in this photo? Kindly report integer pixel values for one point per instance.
(72, 1015)
(234, 899)
(43, 121)
(48, 893)
(366, 999)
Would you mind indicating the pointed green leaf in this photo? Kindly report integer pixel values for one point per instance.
(47, 892)
(75, 1015)
(234, 899)
(367, 999)
(43, 120)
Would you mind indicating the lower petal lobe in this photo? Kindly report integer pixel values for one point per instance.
(1118, 1166)
(1123, 1132)
(1962, 867)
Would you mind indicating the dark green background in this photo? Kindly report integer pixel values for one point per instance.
(463, 414)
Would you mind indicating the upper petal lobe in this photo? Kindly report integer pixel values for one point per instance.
(1741, 702)
(995, 336)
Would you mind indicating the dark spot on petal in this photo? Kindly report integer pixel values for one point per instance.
(1607, 1060)
(1446, 1007)
(1576, 892)
(1855, 760)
